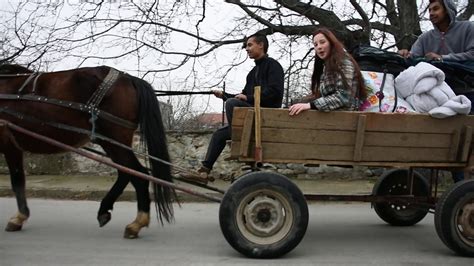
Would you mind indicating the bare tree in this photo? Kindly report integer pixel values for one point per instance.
(194, 45)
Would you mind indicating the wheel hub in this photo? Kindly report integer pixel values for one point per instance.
(398, 189)
(264, 216)
(466, 220)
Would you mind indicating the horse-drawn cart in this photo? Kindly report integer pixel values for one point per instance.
(264, 214)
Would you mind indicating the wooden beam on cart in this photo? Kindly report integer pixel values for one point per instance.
(359, 141)
(246, 133)
(466, 149)
(455, 142)
(258, 126)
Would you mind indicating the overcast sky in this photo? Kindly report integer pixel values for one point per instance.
(219, 16)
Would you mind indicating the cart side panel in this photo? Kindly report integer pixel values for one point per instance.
(355, 136)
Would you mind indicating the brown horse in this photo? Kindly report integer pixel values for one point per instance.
(75, 107)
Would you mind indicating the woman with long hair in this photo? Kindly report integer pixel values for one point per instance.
(336, 83)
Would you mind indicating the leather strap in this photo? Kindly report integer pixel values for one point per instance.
(35, 82)
(106, 84)
(27, 81)
(71, 105)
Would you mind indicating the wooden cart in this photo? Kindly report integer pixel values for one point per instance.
(264, 214)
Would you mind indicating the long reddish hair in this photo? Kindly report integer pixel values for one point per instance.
(333, 64)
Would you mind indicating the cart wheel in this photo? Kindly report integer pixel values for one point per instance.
(395, 182)
(263, 215)
(454, 218)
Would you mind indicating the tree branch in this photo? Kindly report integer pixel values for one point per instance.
(468, 11)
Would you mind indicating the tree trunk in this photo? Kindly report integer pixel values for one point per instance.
(408, 23)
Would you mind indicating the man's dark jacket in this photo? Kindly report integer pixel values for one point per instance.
(268, 74)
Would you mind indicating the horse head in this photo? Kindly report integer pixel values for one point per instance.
(13, 69)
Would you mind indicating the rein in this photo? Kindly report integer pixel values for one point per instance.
(157, 92)
(176, 93)
(15, 75)
(34, 76)
(91, 107)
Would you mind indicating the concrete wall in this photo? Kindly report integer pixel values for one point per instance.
(186, 150)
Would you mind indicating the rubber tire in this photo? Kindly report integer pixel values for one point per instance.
(387, 212)
(445, 215)
(273, 184)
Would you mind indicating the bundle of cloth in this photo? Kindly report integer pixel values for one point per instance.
(423, 87)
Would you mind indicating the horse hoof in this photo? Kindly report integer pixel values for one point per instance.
(104, 218)
(130, 234)
(11, 227)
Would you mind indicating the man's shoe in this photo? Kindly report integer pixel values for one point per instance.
(201, 175)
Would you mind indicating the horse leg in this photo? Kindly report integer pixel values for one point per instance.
(106, 205)
(143, 204)
(128, 159)
(14, 159)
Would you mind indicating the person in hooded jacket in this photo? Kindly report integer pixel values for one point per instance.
(449, 40)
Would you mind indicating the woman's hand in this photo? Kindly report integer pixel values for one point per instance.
(295, 109)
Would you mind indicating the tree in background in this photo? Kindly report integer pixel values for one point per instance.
(195, 45)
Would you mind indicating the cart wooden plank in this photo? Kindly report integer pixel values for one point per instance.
(360, 134)
(246, 133)
(340, 120)
(356, 138)
(348, 137)
(455, 144)
(467, 144)
(275, 151)
(435, 165)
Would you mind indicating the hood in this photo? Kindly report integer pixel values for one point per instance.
(451, 9)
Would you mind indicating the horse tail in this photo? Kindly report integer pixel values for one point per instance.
(152, 135)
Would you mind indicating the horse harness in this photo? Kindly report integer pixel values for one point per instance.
(34, 76)
(91, 106)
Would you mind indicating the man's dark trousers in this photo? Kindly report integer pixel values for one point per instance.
(220, 136)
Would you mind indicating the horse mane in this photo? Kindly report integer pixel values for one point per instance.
(13, 69)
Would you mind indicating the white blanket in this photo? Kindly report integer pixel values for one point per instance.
(424, 88)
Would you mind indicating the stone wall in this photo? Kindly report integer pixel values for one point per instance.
(186, 150)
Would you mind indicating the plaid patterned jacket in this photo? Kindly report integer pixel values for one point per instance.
(334, 95)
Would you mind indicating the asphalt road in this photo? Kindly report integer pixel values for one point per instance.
(67, 233)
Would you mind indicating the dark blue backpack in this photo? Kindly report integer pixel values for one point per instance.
(378, 60)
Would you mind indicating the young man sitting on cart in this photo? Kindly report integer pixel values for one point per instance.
(268, 74)
(450, 41)
(336, 83)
